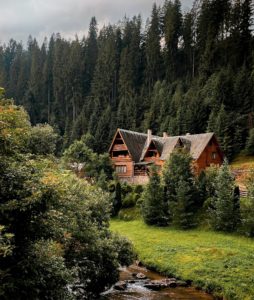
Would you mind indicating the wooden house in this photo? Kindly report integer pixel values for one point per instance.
(132, 152)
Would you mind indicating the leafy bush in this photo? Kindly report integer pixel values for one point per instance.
(42, 140)
(59, 223)
(130, 200)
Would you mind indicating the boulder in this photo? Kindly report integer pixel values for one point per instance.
(153, 286)
(157, 285)
(181, 283)
(120, 286)
(141, 276)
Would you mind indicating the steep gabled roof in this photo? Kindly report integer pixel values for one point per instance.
(138, 144)
(158, 143)
(134, 141)
(198, 143)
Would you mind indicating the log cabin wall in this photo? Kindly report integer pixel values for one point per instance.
(121, 158)
(211, 156)
(132, 163)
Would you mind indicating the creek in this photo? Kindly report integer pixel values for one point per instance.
(135, 289)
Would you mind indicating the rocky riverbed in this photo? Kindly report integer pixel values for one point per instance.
(137, 282)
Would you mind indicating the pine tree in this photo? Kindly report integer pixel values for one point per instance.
(154, 208)
(153, 69)
(182, 210)
(91, 53)
(180, 189)
(172, 25)
(225, 215)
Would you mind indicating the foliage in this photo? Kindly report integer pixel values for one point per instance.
(154, 207)
(42, 140)
(180, 189)
(249, 148)
(94, 165)
(117, 199)
(184, 72)
(225, 213)
(247, 210)
(53, 226)
(218, 263)
(14, 127)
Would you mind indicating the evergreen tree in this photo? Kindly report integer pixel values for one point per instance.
(181, 71)
(180, 190)
(172, 26)
(225, 215)
(153, 69)
(182, 210)
(154, 208)
(91, 53)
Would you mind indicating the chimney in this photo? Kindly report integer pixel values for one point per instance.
(149, 136)
(165, 135)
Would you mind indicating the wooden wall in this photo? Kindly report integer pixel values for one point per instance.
(206, 159)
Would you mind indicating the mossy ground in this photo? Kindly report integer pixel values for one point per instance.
(218, 263)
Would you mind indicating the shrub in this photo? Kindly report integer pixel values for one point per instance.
(130, 200)
(247, 210)
(42, 140)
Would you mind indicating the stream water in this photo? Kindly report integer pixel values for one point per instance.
(137, 290)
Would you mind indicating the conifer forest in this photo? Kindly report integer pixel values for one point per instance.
(177, 72)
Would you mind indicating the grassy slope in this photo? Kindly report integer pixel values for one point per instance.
(243, 162)
(246, 165)
(216, 262)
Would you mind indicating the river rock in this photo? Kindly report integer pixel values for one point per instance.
(157, 285)
(153, 286)
(181, 283)
(138, 263)
(141, 276)
(120, 286)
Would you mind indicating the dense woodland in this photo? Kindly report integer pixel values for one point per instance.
(181, 72)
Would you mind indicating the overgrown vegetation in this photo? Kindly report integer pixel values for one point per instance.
(54, 236)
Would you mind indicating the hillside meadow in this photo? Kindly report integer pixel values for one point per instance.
(221, 264)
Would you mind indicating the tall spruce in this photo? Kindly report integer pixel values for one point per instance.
(154, 207)
(225, 214)
(180, 190)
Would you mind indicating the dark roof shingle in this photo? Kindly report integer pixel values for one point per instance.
(137, 143)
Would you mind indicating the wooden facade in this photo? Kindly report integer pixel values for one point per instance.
(132, 153)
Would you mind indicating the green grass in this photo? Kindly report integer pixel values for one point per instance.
(218, 263)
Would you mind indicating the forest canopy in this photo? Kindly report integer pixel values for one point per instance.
(184, 72)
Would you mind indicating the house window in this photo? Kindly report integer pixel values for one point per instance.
(121, 169)
(214, 155)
